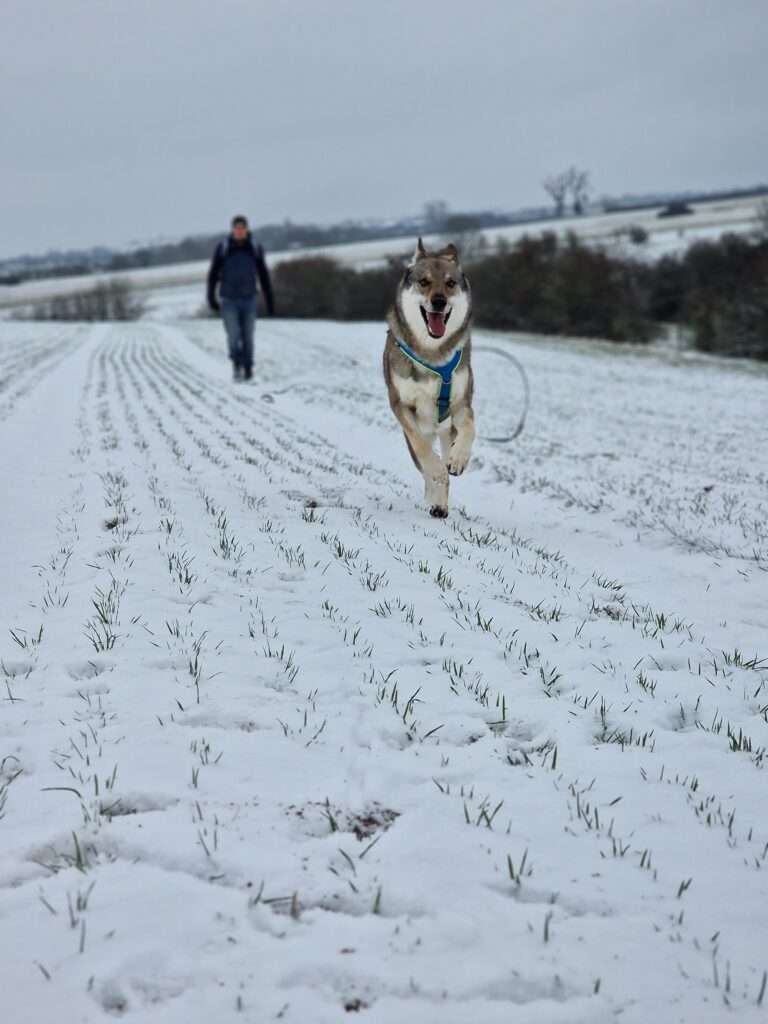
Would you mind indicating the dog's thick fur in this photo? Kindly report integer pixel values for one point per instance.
(432, 296)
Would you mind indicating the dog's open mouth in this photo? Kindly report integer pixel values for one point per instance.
(436, 322)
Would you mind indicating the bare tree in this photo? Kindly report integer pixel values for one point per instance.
(579, 187)
(556, 186)
(570, 182)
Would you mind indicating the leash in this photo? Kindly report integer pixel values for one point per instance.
(518, 429)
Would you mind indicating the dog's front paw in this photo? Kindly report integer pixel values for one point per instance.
(458, 460)
(439, 512)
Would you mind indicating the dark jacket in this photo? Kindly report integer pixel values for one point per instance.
(234, 267)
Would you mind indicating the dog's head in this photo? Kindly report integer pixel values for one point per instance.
(434, 295)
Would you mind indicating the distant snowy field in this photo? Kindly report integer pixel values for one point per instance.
(179, 290)
(274, 745)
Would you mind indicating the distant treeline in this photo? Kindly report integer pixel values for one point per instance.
(545, 284)
(287, 235)
(11, 277)
(626, 204)
(436, 218)
(275, 237)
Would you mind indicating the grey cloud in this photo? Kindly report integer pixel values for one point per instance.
(125, 121)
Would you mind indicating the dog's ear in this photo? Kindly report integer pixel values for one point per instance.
(450, 252)
(420, 253)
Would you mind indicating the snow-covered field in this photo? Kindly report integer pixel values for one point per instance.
(274, 745)
(183, 284)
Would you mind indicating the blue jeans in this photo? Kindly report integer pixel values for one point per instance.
(239, 316)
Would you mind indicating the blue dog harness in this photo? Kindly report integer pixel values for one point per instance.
(444, 372)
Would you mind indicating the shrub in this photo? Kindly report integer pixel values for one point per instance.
(319, 287)
(726, 301)
(668, 285)
(550, 285)
(638, 235)
(310, 287)
(541, 284)
(114, 299)
(677, 208)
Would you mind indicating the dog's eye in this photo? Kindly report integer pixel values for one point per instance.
(450, 283)
(424, 282)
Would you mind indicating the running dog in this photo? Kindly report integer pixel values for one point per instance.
(428, 371)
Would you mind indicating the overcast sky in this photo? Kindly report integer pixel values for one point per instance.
(125, 120)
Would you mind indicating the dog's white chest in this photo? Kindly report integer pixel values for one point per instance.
(421, 395)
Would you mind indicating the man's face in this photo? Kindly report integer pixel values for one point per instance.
(239, 231)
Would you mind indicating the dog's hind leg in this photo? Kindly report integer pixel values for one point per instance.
(432, 469)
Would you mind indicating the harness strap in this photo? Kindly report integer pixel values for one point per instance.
(444, 372)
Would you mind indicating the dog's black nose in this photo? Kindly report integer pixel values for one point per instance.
(439, 302)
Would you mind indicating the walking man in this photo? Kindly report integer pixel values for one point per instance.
(235, 265)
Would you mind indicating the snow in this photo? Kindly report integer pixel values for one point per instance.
(338, 757)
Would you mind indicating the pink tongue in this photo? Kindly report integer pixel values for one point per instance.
(436, 322)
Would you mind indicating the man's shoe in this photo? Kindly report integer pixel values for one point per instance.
(248, 373)
(237, 373)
